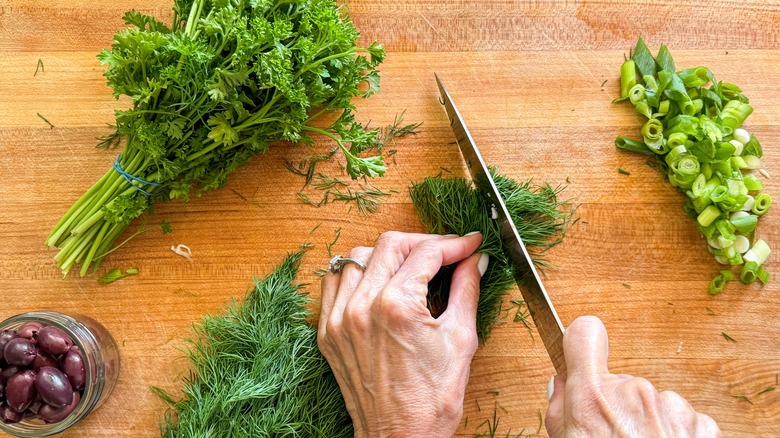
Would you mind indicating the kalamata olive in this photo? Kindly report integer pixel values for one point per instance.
(20, 390)
(44, 360)
(50, 414)
(28, 330)
(7, 372)
(5, 336)
(2, 390)
(53, 340)
(19, 351)
(54, 387)
(73, 367)
(8, 415)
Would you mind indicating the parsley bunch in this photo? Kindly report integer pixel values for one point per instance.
(227, 79)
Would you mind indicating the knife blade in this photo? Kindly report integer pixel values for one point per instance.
(546, 319)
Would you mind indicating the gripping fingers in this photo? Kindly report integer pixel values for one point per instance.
(338, 288)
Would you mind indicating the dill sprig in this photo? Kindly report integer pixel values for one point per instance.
(257, 371)
(365, 199)
(454, 206)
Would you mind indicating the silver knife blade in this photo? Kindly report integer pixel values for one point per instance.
(546, 319)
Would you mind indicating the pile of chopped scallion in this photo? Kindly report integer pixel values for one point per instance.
(695, 133)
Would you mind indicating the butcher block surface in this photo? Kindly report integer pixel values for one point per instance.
(534, 80)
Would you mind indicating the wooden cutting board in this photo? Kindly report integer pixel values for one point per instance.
(529, 77)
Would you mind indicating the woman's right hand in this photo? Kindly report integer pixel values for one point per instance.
(592, 402)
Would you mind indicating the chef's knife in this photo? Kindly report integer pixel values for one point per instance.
(539, 305)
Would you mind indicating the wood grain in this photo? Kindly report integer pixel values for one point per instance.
(527, 76)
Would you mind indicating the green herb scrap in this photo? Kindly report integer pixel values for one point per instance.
(117, 274)
(453, 206)
(257, 370)
(51, 126)
(218, 86)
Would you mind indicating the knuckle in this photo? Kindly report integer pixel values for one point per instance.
(359, 252)
(391, 310)
(706, 426)
(643, 387)
(356, 318)
(390, 239)
(333, 328)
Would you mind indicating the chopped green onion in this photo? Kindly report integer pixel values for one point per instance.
(663, 107)
(636, 94)
(749, 273)
(738, 146)
(734, 114)
(676, 139)
(627, 77)
(763, 275)
(708, 216)
(738, 162)
(652, 131)
(758, 253)
(745, 224)
(719, 282)
(753, 147)
(752, 183)
(741, 136)
(752, 162)
(633, 145)
(623, 171)
(761, 204)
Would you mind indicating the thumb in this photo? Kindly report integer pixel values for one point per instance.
(586, 346)
(464, 289)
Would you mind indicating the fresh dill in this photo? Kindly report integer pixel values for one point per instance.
(329, 246)
(256, 370)
(108, 141)
(325, 182)
(315, 228)
(728, 338)
(742, 397)
(51, 126)
(603, 83)
(493, 392)
(397, 129)
(626, 285)
(767, 389)
(391, 153)
(453, 206)
(522, 314)
(710, 311)
(365, 199)
(39, 66)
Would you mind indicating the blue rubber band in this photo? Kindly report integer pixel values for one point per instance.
(130, 178)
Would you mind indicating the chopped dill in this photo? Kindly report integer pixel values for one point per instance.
(623, 171)
(315, 228)
(767, 389)
(51, 126)
(626, 285)
(329, 246)
(710, 311)
(728, 338)
(604, 83)
(493, 392)
(365, 199)
(742, 397)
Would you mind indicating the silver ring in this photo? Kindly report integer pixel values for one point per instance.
(338, 262)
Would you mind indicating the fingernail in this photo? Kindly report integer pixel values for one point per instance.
(471, 233)
(550, 388)
(482, 264)
(450, 235)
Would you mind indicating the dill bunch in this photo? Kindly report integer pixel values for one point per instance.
(257, 371)
(454, 206)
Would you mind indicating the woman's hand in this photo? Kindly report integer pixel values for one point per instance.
(401, 371)
(590, 401)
